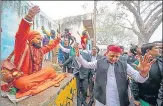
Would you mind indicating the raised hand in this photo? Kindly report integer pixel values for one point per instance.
(77, 52)
(32, 12)
(137, 103)
(145, 64)
(58, 37)
(61, 65)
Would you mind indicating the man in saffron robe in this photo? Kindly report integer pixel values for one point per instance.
(35, 79)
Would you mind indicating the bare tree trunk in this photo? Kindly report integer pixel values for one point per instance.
(143, 39)
(146, 25)
(140, 41)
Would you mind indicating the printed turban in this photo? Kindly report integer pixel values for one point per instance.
(114, 48)
(33, 34)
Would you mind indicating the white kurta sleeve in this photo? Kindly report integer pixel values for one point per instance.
(64, 49)
(135, 74)
(84, 63)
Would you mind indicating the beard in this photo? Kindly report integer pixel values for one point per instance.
(37, 45)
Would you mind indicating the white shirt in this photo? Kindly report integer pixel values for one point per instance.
(87, 51)
(93, 58)
(66, 50)
(112, 98)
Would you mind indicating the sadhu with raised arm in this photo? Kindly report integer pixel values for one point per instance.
(35, 78)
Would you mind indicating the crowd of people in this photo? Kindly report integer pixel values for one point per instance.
(111, 79)
(110, 82)
(149, 91)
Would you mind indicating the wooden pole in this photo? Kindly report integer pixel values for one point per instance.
(95, 4)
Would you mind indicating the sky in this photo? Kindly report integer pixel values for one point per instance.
(60, 9)
(157, 34)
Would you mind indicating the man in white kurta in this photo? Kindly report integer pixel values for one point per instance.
(112, 96)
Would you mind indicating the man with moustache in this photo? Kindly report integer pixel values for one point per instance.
(33, 75)
(79, 72)
(150, 91)
(94, 55)
(111, 84)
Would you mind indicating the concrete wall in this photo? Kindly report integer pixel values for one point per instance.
(12, 13)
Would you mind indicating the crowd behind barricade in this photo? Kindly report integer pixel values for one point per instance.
(111, 79)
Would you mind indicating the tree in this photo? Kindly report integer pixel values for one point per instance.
(147, 17)
(108, 28)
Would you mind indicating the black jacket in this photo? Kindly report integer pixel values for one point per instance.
(124, 57)
(92, 72)
(120, 68)
(152, 90)
(66, 56)
(83, 72)
(131, 59)
(160, 94)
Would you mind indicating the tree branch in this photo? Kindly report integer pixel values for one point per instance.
(152, 12)
(147, 7)
(134, 30)
(100, 39)
(126, 27)
(134, 4)
(139, 20)
(138, 7)
(153, 17)
(103, 39)
(155, 26)
(121, 39)
(127, 20)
